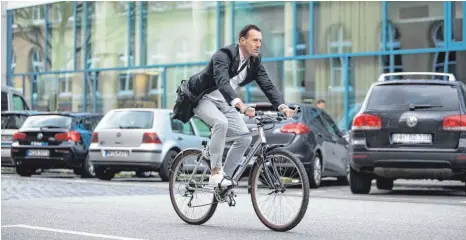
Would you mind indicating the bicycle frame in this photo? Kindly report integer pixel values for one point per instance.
(261, 143)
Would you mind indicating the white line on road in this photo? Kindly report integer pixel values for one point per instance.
(464, 202)
(71, 232)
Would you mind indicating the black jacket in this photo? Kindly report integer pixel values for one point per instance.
(222, 67)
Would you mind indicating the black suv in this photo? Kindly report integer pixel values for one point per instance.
(409, 129)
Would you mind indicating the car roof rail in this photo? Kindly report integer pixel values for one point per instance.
(450, 76)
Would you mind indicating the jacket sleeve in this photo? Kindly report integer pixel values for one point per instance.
(270, 91)
(221, 64)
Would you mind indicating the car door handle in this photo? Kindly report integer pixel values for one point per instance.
(179, 138)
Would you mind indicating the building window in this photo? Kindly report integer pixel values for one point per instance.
(393, 42)
(337, 43)
(182, 50)
(209, 43)
(38, 14)
(441, 60)
(65, 79)
(156, 52)
(155, 83)
(125, 80)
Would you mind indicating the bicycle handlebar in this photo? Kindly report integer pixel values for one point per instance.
(270, 114)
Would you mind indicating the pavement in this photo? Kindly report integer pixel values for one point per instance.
(55, 206)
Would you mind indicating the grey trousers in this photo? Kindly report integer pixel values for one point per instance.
(225, 121)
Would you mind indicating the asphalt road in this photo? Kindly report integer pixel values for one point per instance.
(61, 207)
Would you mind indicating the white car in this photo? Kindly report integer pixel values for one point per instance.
(142, 139)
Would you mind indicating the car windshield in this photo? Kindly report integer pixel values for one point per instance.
(48, 121)
(401, 97)
(127, 120)
(12, 121)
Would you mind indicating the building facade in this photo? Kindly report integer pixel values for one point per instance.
(96, 56)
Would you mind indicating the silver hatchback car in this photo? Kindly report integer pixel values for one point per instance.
(142, 139)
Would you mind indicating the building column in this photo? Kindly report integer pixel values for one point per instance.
(138, 47)
(200, 28)
(227, 31)
(106, 51)
(291, 81)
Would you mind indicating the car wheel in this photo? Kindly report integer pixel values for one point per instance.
(143, 174)
(360, 183)
(104, 174)
(24, 171)
(166, 164)
(315, 173)
(384, 184)
(87, 170)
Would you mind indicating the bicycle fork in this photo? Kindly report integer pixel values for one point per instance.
(272, 177)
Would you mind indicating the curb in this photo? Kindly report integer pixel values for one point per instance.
(68, 172)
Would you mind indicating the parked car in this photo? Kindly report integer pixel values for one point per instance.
(142, 139)
(54, 140)
(313, 136)
(11, 123)
(409, 129)
(13, 100)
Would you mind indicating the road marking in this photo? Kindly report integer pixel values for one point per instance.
(8, 226)
(72, 232)
(464, 202)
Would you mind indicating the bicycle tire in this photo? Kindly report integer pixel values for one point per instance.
(304, 203)
(214, 205)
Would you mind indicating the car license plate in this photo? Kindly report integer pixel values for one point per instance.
(116, 153)
(411, 138)
(38, 153)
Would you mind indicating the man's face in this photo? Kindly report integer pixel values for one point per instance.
(252, 42)
(321, 105)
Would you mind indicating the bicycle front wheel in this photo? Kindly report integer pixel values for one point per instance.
(282, 181)
(189, 174)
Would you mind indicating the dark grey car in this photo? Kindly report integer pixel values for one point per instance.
(314, 137)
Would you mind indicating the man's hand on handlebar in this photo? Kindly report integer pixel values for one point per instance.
(289, 112)
(245, 109)
(250, 112)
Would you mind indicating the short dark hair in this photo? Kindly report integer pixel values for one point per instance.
(320, 101)
(245, 30)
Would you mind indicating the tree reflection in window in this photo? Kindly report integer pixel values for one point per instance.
(36, 66)
(392, 62)
(442, 61)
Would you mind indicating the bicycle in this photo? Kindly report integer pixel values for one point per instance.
(272, 181)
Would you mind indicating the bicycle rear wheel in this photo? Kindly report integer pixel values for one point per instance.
(269, 179)
(180, 179)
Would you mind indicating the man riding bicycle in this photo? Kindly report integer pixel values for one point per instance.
(231, 67)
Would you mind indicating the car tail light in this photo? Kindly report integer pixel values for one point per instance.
(151, 137)
(72, 136)
(19, 136)
(454, 123)
(95, 137)
(367, 122)
(296, 128)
